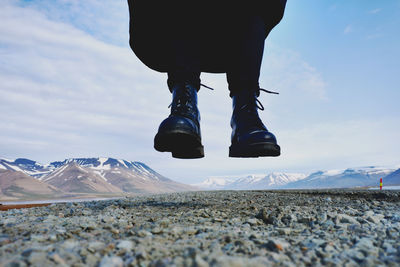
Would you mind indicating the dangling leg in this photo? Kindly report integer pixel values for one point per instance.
(250, 137)
(180, 132)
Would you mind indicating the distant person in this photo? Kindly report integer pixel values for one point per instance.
(185, 38)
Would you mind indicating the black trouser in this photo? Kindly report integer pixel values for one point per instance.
(245, 57)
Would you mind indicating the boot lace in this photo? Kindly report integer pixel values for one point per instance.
(251, 108)
(183, 100)
(259, 105)
(182, 103)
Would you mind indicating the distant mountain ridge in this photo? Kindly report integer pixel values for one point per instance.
(95, 175)
(251, 182)
(393, 178)
(346, 178)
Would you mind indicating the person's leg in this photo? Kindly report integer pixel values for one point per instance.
(246, 55)
(180, 132)
(250, 137)
(185, 62)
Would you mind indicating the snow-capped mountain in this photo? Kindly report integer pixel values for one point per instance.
(351, 177)
(103, 166)
(27, 166)
(101, 175)
(346, 178)
(215, 183)
(392, 179)
(254, 181)
(271, 181)
(71, 177)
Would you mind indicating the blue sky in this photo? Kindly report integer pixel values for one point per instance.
(71, 87)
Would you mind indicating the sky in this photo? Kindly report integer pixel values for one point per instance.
(71, 87)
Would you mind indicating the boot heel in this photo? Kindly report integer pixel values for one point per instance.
(193, 153)
(254, 150)
(182, 145)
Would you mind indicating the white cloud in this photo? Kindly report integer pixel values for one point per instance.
(348, 29)
(374, 11)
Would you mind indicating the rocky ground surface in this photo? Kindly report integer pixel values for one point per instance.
(242, 228)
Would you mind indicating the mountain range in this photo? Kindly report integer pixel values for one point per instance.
(346, 178)
(25, 177)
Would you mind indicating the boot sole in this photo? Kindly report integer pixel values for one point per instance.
(254, 150)
(182, 145)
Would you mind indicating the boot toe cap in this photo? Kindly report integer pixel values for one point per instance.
(178, 123)
(256, 136)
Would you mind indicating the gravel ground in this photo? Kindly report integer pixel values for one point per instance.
(224, 228)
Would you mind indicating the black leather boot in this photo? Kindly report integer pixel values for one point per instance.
(180, 132)
(250, 137)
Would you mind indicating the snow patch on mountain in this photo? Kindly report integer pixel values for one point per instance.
(335, 178)
(253, 181)
(214, 183)
(345, 178)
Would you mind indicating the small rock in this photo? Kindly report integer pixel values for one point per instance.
(284, 231)
(395, 218)
(164, 223)
(355, 254)
(253, 221)
(70, 244)
(125, 245)
(199, 262)
(37, 258)
(57, 259)
(112, 261)
(144, 233)
(156, 230)
(38, 238)
(389, 248)
(141, 254)
(369, 213)
(304, 219)
(276, 246)
(114, 231)
(375, 218)
(344, 218)
(96, 246)
(27, 252)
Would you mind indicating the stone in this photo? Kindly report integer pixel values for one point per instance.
(57, 259)
(157, 230)
(37, 258)
(112, 261)
(126, 245)
(144, 233)
(70, 244)
(375, 218)
(344, 218)
(96, 246)
(164, 223)
(253, 221)
(284, 231)
(199, 262)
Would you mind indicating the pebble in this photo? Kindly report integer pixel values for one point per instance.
(126, 245)
(216, 228)
(375, 218)
(113, 261)
(96, 246)
(343, 218)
